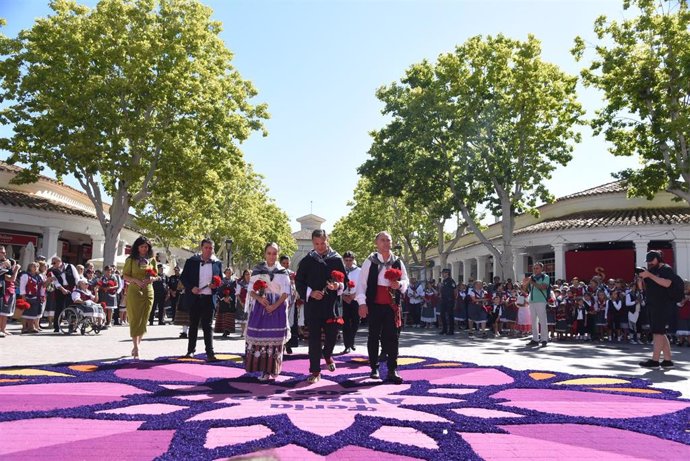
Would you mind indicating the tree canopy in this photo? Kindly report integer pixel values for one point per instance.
(642, 66)
(484, 126)
(129, 97)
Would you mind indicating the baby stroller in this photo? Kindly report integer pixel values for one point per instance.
(86, 318)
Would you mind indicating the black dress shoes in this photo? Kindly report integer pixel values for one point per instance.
(374, 373)
(394, 378)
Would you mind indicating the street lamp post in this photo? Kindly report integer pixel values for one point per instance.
(228, 250)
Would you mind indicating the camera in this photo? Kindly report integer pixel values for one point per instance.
(639, 270)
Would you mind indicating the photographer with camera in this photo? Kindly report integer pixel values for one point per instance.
(538, 286)
(655, 282)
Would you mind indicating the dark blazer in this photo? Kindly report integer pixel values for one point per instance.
(315, 274)
(190, 278)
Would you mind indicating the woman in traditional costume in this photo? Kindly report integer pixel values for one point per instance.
(32, 292)
(267, 324)
(225, 315)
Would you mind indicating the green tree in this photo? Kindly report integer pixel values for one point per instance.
(483, 127)
(414, 229)
(126, 96)
(248, 216)
(642, 66)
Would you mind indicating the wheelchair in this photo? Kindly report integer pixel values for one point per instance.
(79, 318)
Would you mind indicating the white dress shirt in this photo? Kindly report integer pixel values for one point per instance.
(361, 284)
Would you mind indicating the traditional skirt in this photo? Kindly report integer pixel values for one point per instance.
(428, 313)
(550, 316)
(110, 301)
(225, 320)
(477, 313)
(7, 305)
(35, 311)
(510, 315)
(601, 318)
(563, 326)
(460, 310)
(50, 304)
(524, 319)
(181, 318)
(267, 334)
(91, 309)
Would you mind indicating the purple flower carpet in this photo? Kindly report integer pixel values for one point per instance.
(185, 409)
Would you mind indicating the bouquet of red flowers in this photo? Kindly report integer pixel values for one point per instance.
(394, 275)
(216, 280)
(22, 304)
(351, 284)
(226, 292)
(151, 272)
(260, 287)
(337, 276)
(111, 287)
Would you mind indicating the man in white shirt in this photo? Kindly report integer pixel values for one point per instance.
(415, 293)
(379, 300)
(350, 305)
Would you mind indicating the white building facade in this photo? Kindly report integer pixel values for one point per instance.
(598, 230)
(56, 219)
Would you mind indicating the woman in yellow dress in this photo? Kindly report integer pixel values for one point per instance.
(140, 271)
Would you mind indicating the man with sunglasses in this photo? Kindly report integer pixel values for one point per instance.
(656, 282)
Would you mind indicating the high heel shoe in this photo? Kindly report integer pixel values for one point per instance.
(135, 353)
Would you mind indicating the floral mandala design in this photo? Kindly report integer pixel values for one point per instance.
(173, 409)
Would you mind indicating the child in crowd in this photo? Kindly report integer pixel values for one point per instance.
(510, 313)
(495, 313)
(618, 317)
(601, 305)
(429, 308)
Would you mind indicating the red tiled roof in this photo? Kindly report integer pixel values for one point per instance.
(612, 218)
(609, 188)
(26, 200)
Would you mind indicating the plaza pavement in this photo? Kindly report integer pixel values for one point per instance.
(579, 358)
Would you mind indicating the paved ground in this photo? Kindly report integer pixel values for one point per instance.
(602, 359)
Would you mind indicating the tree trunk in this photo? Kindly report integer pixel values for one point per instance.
(112, 237)
(506, 265)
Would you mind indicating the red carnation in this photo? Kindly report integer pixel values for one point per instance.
(338, 276)
(151, 272)
(22, 304)
(394, 275)
(216, 280)
(350, 284)
(260, 286)
(112, 283)
(226, 292)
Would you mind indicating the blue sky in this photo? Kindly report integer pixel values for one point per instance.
(318, 64)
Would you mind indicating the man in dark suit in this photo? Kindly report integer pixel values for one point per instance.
(320, 291)
(199, 290)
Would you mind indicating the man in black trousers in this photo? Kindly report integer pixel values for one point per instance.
(199, 290)
(160, 293)
(379, 301)
(448, 295)
(320, 291)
